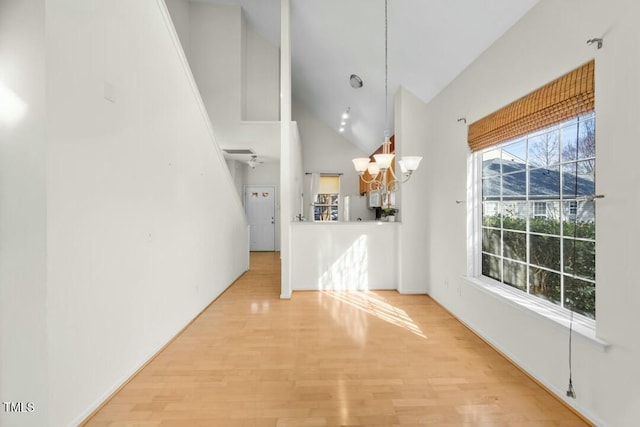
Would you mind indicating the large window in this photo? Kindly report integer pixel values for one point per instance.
(538, 214)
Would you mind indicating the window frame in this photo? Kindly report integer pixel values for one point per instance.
(328, 202)
(584, 325)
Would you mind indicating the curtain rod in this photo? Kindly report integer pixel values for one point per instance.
(325, 173)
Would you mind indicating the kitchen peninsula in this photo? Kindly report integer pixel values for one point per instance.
(351, 255)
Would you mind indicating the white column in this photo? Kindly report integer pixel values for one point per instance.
(286, 164)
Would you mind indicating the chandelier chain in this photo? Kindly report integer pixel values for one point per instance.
(386, 90)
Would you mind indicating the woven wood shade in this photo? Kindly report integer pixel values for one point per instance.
(571, 95)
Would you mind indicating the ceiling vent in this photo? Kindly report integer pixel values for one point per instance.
(238, 151)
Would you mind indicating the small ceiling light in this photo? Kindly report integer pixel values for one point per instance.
(355, 81)
(345, 115)
(343, 123)
(341, 129)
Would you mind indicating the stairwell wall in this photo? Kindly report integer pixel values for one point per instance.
(144, 224)
(23, 350)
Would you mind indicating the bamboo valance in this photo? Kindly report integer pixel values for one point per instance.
(568, 96)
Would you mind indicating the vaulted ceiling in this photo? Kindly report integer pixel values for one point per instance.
(429, 43)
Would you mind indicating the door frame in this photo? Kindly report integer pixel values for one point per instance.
(276, 209)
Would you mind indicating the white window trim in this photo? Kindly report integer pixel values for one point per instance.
(582, 325)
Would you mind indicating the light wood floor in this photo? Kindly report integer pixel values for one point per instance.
(328, 359)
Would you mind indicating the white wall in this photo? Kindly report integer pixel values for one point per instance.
(237, 169)
(325, 151)
(266, 174)
(411, 130)
(179, 10)
(216, 60)
(23, 342)
(344, 255)
(297, 159)
(548, 42)
(237, 73)
(261, 68)
(137, 243)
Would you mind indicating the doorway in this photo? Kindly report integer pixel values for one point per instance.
(260, 207)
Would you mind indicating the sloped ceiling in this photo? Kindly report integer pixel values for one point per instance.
(429, 43)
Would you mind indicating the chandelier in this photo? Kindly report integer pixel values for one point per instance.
(382, 163)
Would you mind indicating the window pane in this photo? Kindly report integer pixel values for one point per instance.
(549, 223)
(569, 138)
(334, 213)
(580, 219)
(515, 274)
(514, 156)
(514, 186)
(587, 139)
(578, 179)
(491, 214)
(580, 296)
(545, 182)
(544, 150)
(515, 245)
(545, 251)
(491, 241)
(545, 284)
(491, 267)
(515, 215)
(491, 188)
(491, 163)
(580, 258)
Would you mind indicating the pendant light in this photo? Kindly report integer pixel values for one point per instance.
(383, 161)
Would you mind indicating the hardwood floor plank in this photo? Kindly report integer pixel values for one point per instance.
(328, 359)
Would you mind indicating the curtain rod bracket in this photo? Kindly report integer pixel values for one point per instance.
(596, 40)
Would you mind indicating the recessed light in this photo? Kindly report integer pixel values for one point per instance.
(341, 129)
(345, 115)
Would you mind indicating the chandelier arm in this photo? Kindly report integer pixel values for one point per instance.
(371, 181)
(378, 185)
(403, 178)
(393, 174)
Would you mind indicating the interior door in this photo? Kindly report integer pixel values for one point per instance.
(260, 206)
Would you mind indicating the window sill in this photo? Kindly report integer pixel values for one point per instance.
(582, 326)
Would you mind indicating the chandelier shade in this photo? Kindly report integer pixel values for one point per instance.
(374, 169)
(361, 164)
(411, 163)
(384, 160)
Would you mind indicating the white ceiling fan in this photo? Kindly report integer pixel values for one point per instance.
(253, 162)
